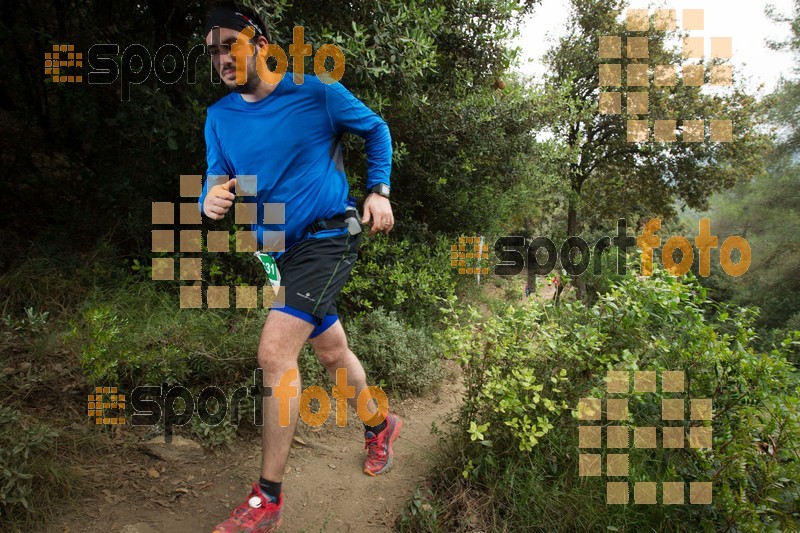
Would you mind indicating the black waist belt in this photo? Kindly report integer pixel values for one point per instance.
(335, 222)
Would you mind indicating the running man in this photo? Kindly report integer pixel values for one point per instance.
(289, 137)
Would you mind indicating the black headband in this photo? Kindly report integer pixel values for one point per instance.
(227, 17)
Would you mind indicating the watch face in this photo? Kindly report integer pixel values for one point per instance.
(381, 189)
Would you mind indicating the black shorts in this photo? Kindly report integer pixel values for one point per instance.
(312, 274)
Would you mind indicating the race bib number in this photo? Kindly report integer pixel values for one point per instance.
(270, 267)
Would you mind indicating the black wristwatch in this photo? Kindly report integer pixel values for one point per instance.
(382, 189)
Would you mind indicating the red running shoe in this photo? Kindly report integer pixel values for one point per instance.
(379, 447)
(256, 515)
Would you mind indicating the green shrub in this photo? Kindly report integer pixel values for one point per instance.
(52, 282)
(213, 436)
(787, 339)
(513, 292)
(16, 329)
(410, 278)
(395, 354)
(25, 455)
(421, 514)
(603, 272)
(139, 335)
(525, 370)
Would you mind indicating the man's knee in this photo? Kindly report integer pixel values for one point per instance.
(275, 358)
(281, 339)
(274, 361)
(331, 350)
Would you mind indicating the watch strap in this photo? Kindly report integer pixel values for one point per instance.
(381, 188)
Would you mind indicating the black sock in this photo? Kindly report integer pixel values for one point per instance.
(270, 489)
(376, 429)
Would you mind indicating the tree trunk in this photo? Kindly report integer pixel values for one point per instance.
(572, 231)
(572, 218)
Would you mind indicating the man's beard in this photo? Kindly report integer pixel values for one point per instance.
(248, 87)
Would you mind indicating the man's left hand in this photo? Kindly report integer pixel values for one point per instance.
(378, 210)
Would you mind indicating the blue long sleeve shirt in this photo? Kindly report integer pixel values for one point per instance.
(291, 141)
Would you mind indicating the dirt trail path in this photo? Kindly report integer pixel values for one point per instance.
(544, 291)
(324, 486)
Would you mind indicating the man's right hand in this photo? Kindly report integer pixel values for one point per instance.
(218, 200)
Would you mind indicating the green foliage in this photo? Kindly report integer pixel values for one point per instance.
(102, 351)
(33, 323)
(603, 175)
(138, 335)
(600, 278)
(390, 42)
(513, 292)
(507, 405)
(787, 340)
(216, 436)
(421, 513)
(25, 453)
(408, 277)
(769, 218)
(53, 283)
(766, 211)
(395, 354)
(427, 66)
(239, 268)
(127, 339)
(784, 102)
(526, 369)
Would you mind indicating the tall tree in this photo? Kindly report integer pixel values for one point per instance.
(767, 210)
(606, 176)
